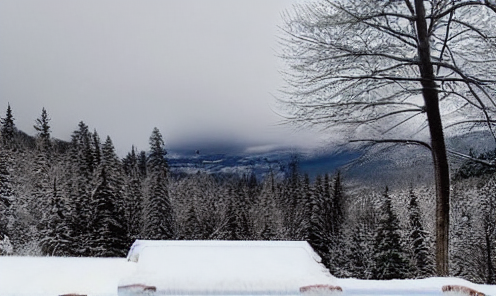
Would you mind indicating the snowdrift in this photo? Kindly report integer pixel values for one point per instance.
(224, 268)
(53, 276)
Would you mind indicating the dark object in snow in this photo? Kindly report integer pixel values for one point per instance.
(136, 289)
(72, 295)
(462, 290)
(320, 289)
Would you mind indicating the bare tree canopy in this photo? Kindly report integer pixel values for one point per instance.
(398, 70)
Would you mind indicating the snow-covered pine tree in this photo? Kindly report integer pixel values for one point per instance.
(336, 221)
(158, 213)
(266, 216)
(305, 205)
(133, 196)
(337, 216)
(467, 254)
(41, 171)
(320, 213)
(8, 129)
(6, 193)
(488, 208)
(293, 202)
(79, 188)
(390, 257)
(115, 172)
(192, 228)
(422, 258)
(43, 131)
(109, 237)
(54, 236)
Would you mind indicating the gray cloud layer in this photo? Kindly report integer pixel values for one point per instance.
(198, 70)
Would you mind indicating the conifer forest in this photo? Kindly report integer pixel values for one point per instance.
(79, 198)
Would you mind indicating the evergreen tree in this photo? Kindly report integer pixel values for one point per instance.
(336, 220)
(337, 207)
(360, 232)
(79, 188)
(114, 170)
(319, 232)
(192, 227)
(95, 151)
(6, 194)
(133, 196)
(8, 129)
(488, 207)
(41, 179)
(390, 259)
(55, 240)
(158, 215)
(142, 164)
(266, 215)
(43, 128)
(422, 258)
(109, 237)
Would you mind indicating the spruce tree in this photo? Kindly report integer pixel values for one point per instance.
(41, 171)
(109, 237)
(335, 224)
(158, 214)
(43, 128)
(115, 172)
(6, 193)
(423, 263)
(487, 198)
(133, 196)
(337, 207)
(55, 234)
(79, 188)
(8, 129)
(192, 228)
(265, 210)
(390, 258)
(318, 232)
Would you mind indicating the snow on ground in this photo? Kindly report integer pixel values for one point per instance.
(52, 276)
(278, 268)
(424, 287)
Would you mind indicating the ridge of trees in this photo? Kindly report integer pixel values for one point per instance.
(84, 201)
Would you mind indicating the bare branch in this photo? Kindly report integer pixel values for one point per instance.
(397, 141)
(468, 157)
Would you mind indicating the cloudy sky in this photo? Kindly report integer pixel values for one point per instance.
(202, 71)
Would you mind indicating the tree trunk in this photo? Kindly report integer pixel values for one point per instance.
(441, 168)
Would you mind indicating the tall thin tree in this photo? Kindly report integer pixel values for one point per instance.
(365, 68)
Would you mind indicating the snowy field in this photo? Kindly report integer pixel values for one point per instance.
(52, 276)
(215, 268)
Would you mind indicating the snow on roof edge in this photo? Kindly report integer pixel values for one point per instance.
(139, 245)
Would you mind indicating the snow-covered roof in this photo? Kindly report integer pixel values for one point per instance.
(226, 267)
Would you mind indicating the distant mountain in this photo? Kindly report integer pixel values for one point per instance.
(382, 164)
(258, 163)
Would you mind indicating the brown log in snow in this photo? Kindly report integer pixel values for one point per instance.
(462, 290)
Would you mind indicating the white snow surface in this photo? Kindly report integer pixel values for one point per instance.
(227, 267)
(207, 268)
(52, 276)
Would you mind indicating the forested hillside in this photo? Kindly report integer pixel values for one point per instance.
(78, 198)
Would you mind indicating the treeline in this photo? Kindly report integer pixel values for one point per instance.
(80, 199)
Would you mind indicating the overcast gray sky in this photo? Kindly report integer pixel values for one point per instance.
(199, 70)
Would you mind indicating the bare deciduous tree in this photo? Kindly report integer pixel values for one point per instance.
(367, 68)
